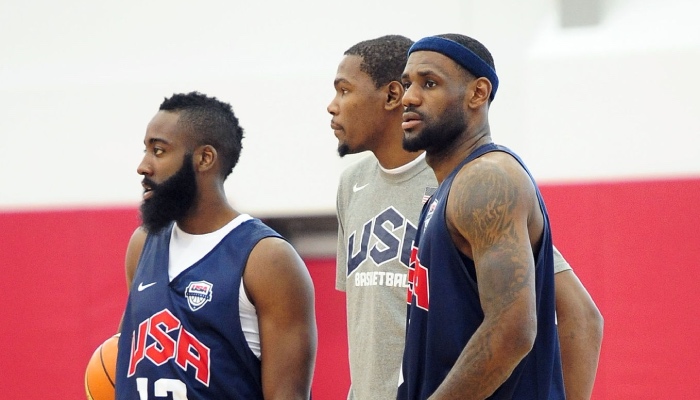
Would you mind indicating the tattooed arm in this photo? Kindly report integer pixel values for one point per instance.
(493, 216)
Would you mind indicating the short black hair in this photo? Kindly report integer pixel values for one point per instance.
(209, 121)
(383, 58)
(472, 44)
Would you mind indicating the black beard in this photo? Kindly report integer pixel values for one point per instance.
(437, 136)
(170, 200)
(343, 150)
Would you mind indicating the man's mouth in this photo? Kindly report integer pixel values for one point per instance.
(147, 190)
(410, 120)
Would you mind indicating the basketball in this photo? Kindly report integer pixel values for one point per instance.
(101, 371)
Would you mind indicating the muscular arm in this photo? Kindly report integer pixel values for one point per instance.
(488, 211)
(280, 287)
(133, 253)
(580, 327)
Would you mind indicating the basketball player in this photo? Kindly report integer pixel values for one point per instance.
(220, 306)
(379, 201)
(482, 312)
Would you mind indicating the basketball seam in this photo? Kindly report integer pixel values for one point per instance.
(104, 368)
(87, 387)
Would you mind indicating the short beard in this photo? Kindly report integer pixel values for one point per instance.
(343, 150)
(436, 136)
(170, 200)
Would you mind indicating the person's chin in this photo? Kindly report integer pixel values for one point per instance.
(343, 150)
(410, 143)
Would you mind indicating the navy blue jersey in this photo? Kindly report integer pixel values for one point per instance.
(444, 308)
(184, 336)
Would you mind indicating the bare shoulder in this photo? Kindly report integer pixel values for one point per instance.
(133, 253)
(488, 196)
(274, 254)
(274, 266)
(494, 173)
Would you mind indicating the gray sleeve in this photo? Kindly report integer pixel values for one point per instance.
(560, 264)
(341, 256)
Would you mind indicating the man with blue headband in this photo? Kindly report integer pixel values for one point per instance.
(379, 201)
(481, 318)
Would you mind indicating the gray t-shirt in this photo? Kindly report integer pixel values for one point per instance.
(377, 217)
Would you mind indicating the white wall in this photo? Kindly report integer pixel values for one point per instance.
(79, 81)
(618, 101)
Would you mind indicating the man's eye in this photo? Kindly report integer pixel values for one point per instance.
(430, 84)
(344, 91)
(157, 151)
(406, 85)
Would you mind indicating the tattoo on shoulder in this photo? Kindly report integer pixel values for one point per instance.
(485, 205)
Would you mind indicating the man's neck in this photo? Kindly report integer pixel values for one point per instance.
(444, 162)
(207, 215)
(390, 152)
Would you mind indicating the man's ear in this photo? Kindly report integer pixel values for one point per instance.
(205, 157)
(394, 94)
(481, 90)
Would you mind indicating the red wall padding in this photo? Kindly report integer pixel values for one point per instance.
(635, 245)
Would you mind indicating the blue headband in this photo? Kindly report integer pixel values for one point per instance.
(461, 55)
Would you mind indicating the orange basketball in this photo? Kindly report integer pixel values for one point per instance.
(101, 371)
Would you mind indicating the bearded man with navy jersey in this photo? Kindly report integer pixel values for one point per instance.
(220, 306)
(379, 201)
(481, 319)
